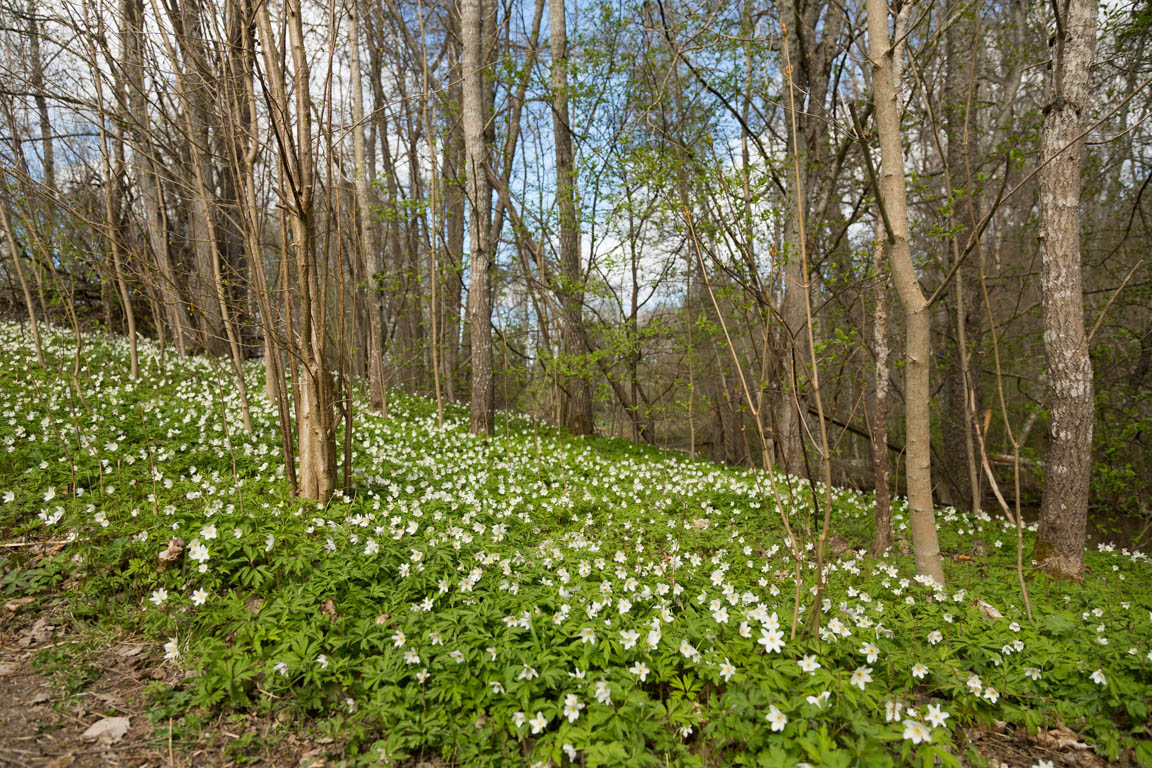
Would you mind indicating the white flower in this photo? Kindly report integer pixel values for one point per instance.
(809, 664)
(411, 657)
(772, 640)
(538, 722)
(199, 597)
(572, 707)
(208, 532)
(1032, 672)
(919, 671)
(936, 716)
(171, 649)
(527, 673)
(861, 677)
(198, 551)
(991, 694)
(689, 651)
(9, 497)
(519, 718)
(159, 596)
(603, 693)
(935, 636)
(818, 701)
(916, 732)
(640, 669)
(871, 651)
(974, 684)
(281, 667)
(892, 710)
(776, 718)
(1098, 677)
(629, 637)
(322, 660)
(398, 639)
(587, 635)
(269, 541)
(727, 670)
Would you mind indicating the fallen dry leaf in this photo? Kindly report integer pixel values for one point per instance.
(107, 731)
(17, 603)
(40, 632)
(987, 610)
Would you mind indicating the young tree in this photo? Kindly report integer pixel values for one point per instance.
(918, 352)
(315, 422)
(472, 23)
(369, 252)
(576, 395)
(1068, 464)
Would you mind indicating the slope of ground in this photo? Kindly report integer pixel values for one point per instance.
(524, 599)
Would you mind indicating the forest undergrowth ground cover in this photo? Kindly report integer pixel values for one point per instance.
(529, 598)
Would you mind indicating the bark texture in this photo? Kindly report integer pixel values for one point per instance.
(1064, 506)
(480, 197)
(369, 250)
(878, 396)
(315, 422)
(576, 402)
(918, 346)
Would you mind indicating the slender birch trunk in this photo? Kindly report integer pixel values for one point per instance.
(918, 344)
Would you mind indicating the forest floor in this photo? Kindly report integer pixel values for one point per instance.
(72, 695)
(525, 599)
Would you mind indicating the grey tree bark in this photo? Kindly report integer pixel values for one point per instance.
(1068, 464)
(576, 395)
(878, 395)
(473, 111)
(370, 252)
(143, 158)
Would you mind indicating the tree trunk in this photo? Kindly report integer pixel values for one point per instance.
(155, 215)
(370, 252)
(192, 91)
(480, 198)
(878, 393)
(315, 422)
(918, 346)
(576, 395)
(962, 380)
(1068, 465)
(451, 266)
